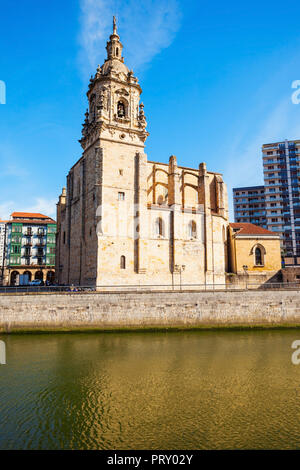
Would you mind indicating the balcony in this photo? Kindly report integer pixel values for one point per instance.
(273, 216)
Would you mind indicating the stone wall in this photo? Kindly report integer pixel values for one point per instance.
(291, 274)
(69, 311)
(244, 252)
(252, 280)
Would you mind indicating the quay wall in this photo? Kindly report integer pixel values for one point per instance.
(142, 310)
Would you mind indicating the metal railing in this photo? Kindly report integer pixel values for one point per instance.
(151, 287)
(44, 289)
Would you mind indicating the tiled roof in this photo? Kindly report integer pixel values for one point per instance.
(32, 221)
(30, 215)
(250, 229)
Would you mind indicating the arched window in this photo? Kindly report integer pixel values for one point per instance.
(50, 277)
(123, 262)
(28, 274)
(121, 109)
(192, 229)
(258, 256)
(117, 51)
(14, 278)
(39, 275)
(159, 228)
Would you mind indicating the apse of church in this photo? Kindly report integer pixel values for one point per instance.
(123, 219)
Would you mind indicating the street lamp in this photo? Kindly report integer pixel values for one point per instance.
(180, 268)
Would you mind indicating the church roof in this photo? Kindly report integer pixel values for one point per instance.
(116, 65)
(245, 228)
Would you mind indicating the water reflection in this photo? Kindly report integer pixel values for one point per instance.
(183, 390)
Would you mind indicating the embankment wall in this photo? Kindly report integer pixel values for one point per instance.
(120, 310)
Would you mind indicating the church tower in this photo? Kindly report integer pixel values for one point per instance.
(115, 112)
(108, 184)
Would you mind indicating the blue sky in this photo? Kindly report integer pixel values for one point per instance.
(216, 79)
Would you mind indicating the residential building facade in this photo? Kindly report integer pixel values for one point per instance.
(30, 248)
(249, 205)
(2, 249)
(123, 219)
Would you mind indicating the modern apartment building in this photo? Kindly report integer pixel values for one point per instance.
(281, 163)
(30, 248)
(249, 205)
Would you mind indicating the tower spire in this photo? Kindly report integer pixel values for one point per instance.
(114, 46)
(114, 25)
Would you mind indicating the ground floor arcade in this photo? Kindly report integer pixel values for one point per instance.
(16, 276)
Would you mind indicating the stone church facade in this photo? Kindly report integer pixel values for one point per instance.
(125, 220)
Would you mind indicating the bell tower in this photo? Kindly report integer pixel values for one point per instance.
(115, 166)
(115, 112)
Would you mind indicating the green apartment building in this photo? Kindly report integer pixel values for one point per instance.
(29, 251)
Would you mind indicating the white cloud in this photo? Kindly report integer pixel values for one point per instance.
(41, 205)
(6, 208)
(146, 27)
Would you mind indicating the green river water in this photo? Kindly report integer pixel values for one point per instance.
(183, 390)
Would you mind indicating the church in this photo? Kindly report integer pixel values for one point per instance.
(125, 220)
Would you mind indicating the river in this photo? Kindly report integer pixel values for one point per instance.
(183, 390)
